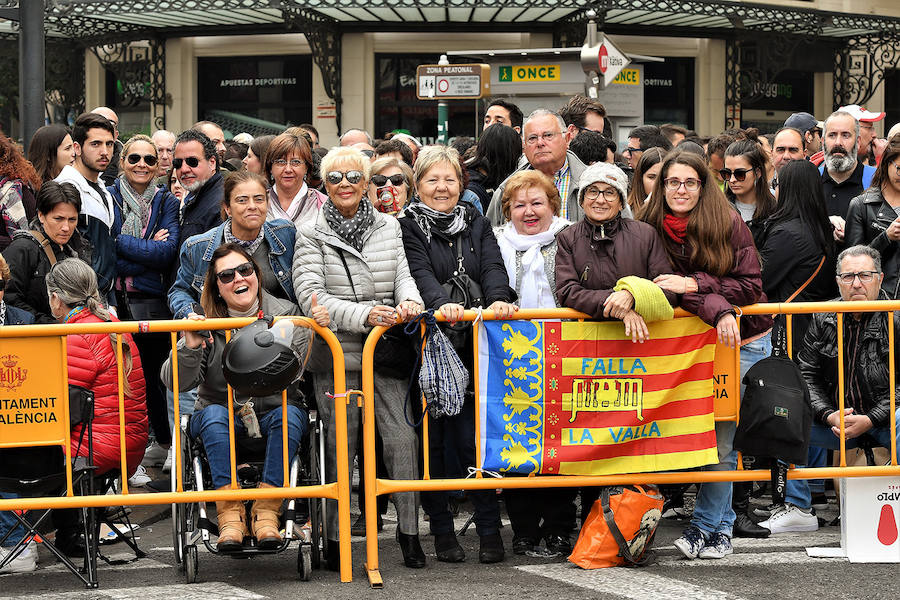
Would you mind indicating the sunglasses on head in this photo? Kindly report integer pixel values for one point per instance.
(192, 162)
(149, 159)
(227, 275)
(739, 174)
(396, 180)
(335, 177)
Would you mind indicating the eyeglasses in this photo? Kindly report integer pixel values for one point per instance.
(739, 174)
(396, 180)
(368, 153)
(672, 184)
(864, 277)
(896, 166)
(2, 284)
(192, 162)
(609, 194)
(629, 150)
(335, 177)
(296, 163)
(149, 159)
(227, 276)
(547, 136)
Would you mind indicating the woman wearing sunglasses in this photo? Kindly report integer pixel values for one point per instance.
(288, 160)
(715, 267)
(389, 187)
(245, 204)
(352, 256)
(146, 229)
(746, 185)
(232, 289)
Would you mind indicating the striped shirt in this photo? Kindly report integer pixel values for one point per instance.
(563, 182)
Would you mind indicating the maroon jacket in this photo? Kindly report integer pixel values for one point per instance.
(590, 259)
(717, 295)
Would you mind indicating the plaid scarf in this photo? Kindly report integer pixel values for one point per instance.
(350, 229)
(135, 208)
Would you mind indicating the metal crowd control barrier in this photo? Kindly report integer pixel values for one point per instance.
(339, 490)
(375, 486)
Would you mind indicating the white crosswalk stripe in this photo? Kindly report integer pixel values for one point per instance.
(197, 591)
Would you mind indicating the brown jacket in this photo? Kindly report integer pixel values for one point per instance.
(590, 259)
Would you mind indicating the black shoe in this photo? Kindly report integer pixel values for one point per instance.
(447, 548)
(559, 543)
(490, 549)
(820, 501)
(334, 555)
(413, 555)
(70, 543)
(746, 528)
(521, 545)
(359, 526)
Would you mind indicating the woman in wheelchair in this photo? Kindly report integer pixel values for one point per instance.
(232, 289)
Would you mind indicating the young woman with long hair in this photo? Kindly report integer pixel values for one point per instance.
(747, 186)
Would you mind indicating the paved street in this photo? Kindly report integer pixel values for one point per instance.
(774, 568)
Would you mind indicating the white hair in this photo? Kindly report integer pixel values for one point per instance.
(543, 112)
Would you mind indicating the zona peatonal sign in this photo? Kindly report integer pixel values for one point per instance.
(453, 82)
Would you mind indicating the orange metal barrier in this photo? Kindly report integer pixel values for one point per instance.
(375, 486)
(339, 490)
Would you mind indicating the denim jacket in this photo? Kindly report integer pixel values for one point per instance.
(197, 251)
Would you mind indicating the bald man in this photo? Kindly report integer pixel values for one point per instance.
(112, 171)
(215, 133)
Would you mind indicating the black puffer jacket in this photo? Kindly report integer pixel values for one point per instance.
(818, 363)
(867, 218)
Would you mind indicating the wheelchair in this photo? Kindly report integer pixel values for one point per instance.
(303, 522)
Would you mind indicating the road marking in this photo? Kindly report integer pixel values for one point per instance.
(628, 583)
(781, 540)
(196, 591)
(747, 559)
(102, 567)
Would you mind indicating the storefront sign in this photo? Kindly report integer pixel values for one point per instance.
(514, 73)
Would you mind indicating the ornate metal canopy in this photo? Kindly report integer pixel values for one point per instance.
(863, 45)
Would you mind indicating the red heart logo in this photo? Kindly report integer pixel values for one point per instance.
(887, 526)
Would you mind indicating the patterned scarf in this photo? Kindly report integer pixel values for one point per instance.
(427, 218)
(351, 229)
(136, 208)
(251, 245)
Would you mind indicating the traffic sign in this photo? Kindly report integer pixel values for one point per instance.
(453, 82)
(604, 59)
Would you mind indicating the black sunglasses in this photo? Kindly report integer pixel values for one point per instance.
(192, 162)
(396, 180)
(335, 177)
(227, 275)
(739, 174)
(2, 284)
(149, 159)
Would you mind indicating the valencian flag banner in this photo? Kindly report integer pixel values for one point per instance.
(577, 398)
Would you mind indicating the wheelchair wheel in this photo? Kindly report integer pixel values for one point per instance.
(304, 561)
(184, 516)
(191, 563)
(316, 505)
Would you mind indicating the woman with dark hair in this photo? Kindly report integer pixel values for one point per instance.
(232, 288)
(51, 149)
(288, 161)
(52, 238)
(715, 267)
(873, 218)
(496, 157)
(18, 183)
(746, 185)
(254, 161)
(646, 174)
(176, 188)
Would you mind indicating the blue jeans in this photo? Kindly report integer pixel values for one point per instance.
(821, 436)
(211, 426)
(8, 522)
(712, 511)
(185, 406)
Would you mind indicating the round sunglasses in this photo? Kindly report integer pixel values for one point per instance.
(335, 177)
(192, 162)
(149, 159)
(396, 180)
(227, 275)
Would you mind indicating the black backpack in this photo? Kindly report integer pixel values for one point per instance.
(776, 412)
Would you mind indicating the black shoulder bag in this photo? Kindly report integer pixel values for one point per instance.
(464, 291)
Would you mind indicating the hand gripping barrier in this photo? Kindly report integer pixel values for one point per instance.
(24, 347)
(724, 411)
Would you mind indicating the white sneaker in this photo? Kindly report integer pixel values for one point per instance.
(790, 518)
(167, 466)
(140, 477)
(25, 562)
(154, 455)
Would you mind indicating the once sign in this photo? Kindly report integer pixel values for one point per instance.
(448, 82)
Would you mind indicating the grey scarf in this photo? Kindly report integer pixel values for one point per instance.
(135, 208)
(350, 230)
(251, 245)
(427, 218)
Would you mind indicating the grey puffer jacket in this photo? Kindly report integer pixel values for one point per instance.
(378, 274)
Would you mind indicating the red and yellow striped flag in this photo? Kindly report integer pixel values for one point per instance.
(576, 398)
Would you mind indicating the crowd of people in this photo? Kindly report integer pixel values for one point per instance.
(542, 211)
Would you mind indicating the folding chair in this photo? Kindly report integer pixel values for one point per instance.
(37, 464)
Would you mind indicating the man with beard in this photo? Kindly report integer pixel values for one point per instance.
(196, 167)
(94, 136)
(843, 176)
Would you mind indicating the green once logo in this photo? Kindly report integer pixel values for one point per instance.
(506, 73)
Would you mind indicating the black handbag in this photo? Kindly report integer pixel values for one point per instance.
(464, 291)
(396, 351)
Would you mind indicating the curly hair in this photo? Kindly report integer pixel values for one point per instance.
(13, 164)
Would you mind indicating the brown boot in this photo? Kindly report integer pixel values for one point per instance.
(265, 519)
(232, 526)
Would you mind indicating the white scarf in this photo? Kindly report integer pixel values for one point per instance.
(534, 291)
(301, 208)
